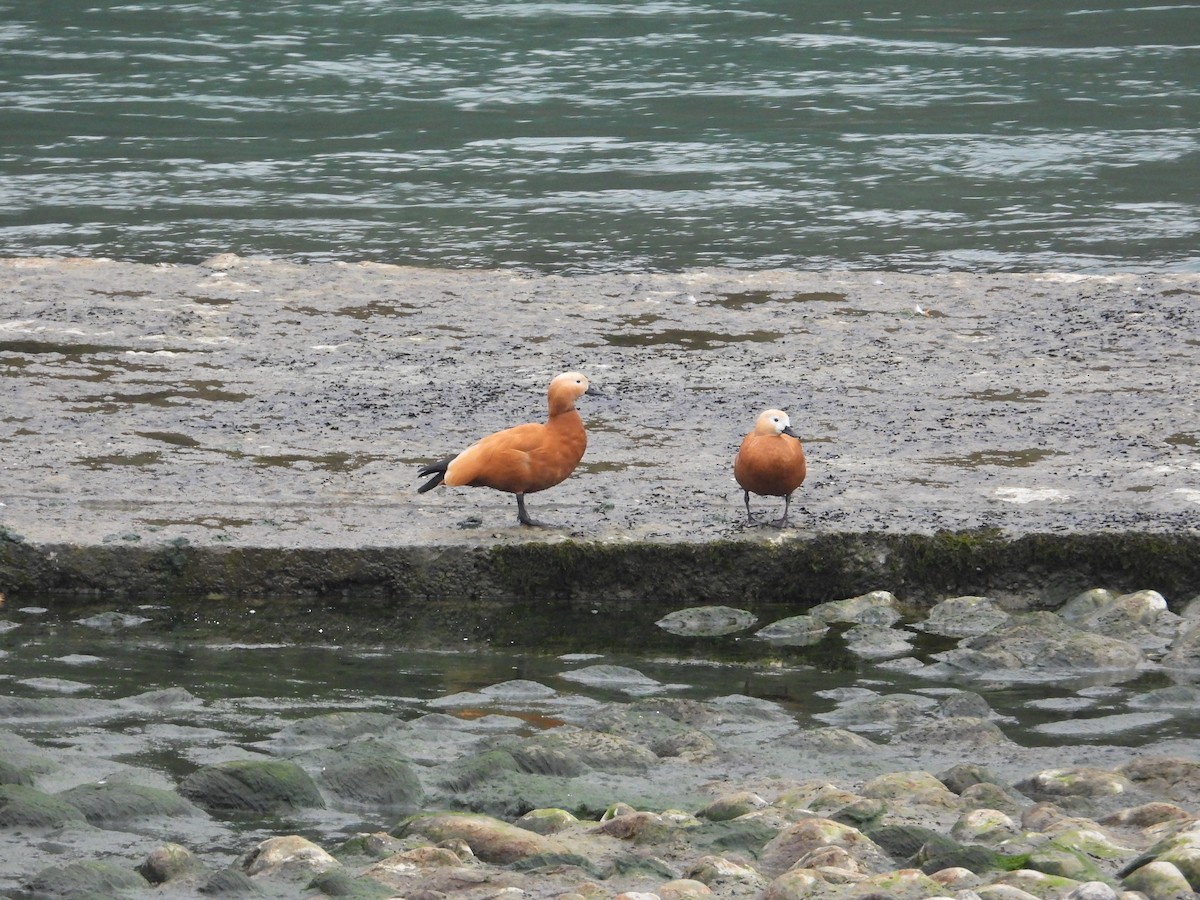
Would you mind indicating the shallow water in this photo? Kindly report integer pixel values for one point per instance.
(128, 697)
(602, 136)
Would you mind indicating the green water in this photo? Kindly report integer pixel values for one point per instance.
(602, 136)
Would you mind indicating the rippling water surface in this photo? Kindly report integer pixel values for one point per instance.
(601, 136)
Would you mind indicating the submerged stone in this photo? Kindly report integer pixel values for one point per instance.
(252, 786)
(26, 807)
(116, 803)
(707, 621)
(92, 878)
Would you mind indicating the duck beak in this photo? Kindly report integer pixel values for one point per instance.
(788, 431)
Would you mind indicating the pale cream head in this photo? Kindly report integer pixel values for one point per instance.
(772, 421)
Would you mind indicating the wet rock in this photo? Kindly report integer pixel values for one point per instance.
(1082, 781)
(546, 821)
(290, 856)
(993, 796)
(369, 773)
(832, 740)
(1038, 643)
(1086, 604)
(11, 774)
(85, 879)
(168, 862)
(878, 641)
(331, 729)
(707, 621)
(873, 608)
(794, 631)
(228, 883)
(1184, 652)
(1092, 890)
(878, 713)
(638, 827)
(1147, 815)
(786, 848)
(963, 617)
(961, 776)
(1142, 618)
(983, 826)
(1159, 880)
(914, 788)
(573, 752)
(963, 703)
(252, 786)
(1175, 697)
(1063, 862)
(1033, 883)
(960, 730)
(720, 871)
(1168, 777)
(27, 807)
(616, 678)
(340, 883)
(683, 889)
(115, 803)
(730, 806)
(491, 840)
(112, 621)
(902, 884)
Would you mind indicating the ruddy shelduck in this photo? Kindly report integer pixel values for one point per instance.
(770, 461)
(525, 458)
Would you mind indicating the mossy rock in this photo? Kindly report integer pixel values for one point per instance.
(118, 803)
(10, 774)
(340, 883)
(370, 773)
(253, 787)
(26, 807)
(86, 879)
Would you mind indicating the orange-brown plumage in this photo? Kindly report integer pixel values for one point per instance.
(770, 460)
(525, 458)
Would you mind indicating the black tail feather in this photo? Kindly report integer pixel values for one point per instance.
(437, 470)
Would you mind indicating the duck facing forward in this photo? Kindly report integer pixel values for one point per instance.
(526, 458)
(770, 461)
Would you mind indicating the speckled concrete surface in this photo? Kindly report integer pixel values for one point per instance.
(246, 402)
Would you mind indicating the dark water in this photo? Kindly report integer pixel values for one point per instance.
(600, 136)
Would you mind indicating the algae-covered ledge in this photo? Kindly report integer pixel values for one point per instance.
(508, 592)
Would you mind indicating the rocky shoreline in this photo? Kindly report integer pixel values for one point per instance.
(521, 789)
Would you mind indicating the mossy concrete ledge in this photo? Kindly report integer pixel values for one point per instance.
(505, 592)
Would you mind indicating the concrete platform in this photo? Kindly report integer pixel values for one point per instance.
(250, 408)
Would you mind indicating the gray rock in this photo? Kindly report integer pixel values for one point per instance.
(1184, 652)
(91, 878)
(1142, 618)
(490, 839)
(878, 713)
(786, 848)
(873, 608)
(794, 631)
(112, 621)
(707, 621)
(115, 804)
(27, 807)
(1159, 880)
(1034, 644)
(252, 786)
(369, 773)
(168, 862)
(1081, 781)
(878, 641)
(964, 617)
